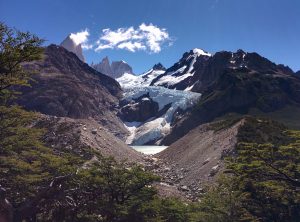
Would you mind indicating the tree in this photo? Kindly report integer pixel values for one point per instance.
(27, 167)
(261, 179)
(268, 175)
(16, 48)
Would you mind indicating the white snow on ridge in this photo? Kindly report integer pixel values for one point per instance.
(128, 80)
(173, 78)
(156, 128)
(201, 52)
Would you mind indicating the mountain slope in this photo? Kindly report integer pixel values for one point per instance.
(64, 86)
(77, 135)
(239, 90)
(197, 158)
(194, 159)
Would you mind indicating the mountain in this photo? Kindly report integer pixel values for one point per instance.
(64, 86)
(266, 90)
(298, 73)
(198, 70)
(71, 46)
(179, 76)
(128, 80)
(114, 70)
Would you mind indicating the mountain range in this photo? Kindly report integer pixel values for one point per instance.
(178, 106)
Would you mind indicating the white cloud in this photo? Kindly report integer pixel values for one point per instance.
(80, 37)
(131, 46)
(146, 37)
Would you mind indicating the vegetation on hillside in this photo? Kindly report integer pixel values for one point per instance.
(262, 178)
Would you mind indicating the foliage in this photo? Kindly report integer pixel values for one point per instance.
(262, 179)
(16, 48)
(220, 202)
(23, 157)
(268, 176)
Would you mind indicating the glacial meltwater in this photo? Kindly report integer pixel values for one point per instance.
(149, 149)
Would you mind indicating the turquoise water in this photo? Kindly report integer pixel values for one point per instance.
(149, 149)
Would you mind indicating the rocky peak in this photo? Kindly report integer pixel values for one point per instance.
(104, 67)
(120, 67)
(71, 46)
(116, 69)
(158, 66)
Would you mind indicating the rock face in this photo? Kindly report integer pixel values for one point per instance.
(114, 70)
(71, 46)
(103, 67)
(119, 68)
(139, 110)
(159, 66)
(66, 87)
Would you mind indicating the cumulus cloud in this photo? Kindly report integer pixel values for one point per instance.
(146, 37)
(82, 38)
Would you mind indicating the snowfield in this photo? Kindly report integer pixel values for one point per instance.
(156, 128)
(128, 80)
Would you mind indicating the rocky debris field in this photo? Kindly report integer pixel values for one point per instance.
(77, 134)
(194, 161)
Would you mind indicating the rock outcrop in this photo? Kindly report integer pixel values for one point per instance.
(139, 110)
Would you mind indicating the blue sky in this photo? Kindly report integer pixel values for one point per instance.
(162, 30)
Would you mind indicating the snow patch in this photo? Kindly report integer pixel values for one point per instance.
(201, 52)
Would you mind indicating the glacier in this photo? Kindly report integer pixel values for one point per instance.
(155, 129)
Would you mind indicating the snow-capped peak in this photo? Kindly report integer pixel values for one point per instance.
(200, 52)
